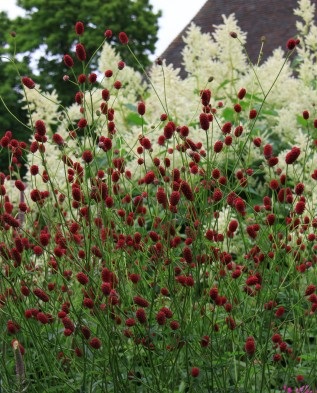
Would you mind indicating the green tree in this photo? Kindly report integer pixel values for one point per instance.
(47, 30)
(49, 27)
(10, 88)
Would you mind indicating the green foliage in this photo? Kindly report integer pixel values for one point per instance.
(48, 29)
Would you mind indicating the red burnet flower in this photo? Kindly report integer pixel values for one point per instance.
(81, 79)
(40, 294)
(108, 73)
(82, 278)
(242, 93)
(233, 225)
(300, 207)
(108, 33)
(82, 123)
(299, 188)
(204, 342)
(226, 128)
(117, 85)
(204, 121)
(187, 191)
(292, 155)
(87, 156)
(276, 338)
(267, 151)
(218, 146)
(280, 312)
(270, 219)
(121, 65)
(161, 196)
(277, 357)
(149, 177)
(237, 108)
(250, 346)
(42, 317)
(169, 129)
(306, 115)
(239, 205)
(174, 325)
(28, 82)
(68, 61)
(40, 127)
(195, 372)
(238, 131)
(12, 327)
(252, 114)
(205, 96)
(141, 315)
(291, 43)
(105, 94)
(80, 52)
(187, 255)
(160, 318)
(141, 108)
(92, 77)
(123, 38)
(79, 28)
(257, 142)
(20, 185)
(95, 343)
(58, 139)
(174, 198)
(134, 277)
(140, 301)
(310, 289)
(300, 378)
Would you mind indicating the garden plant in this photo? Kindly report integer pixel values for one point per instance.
(160, 234)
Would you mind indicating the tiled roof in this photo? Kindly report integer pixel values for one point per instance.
(273, 19)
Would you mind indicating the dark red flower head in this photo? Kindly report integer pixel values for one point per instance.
(79, 28)
(68, 61)
(28, 82)
(80, 52)
(108, 33)
(123, 38)
(292, 155)
(291, 43)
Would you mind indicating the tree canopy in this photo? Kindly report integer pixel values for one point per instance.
(47, 30)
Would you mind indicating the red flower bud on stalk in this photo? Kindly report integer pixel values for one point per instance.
(121, 65)
(117, 85)
(249, 346)
(28, 82)
(195, 372)
(252, 114)
(79, 28)
(291, 43)
(82, 123)
(87, 156)
(292, 155)
(39, 293)
(80, 52)
(141, 108)
(68, 61)
(95, 343)
(204, 121)
(123, 38)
